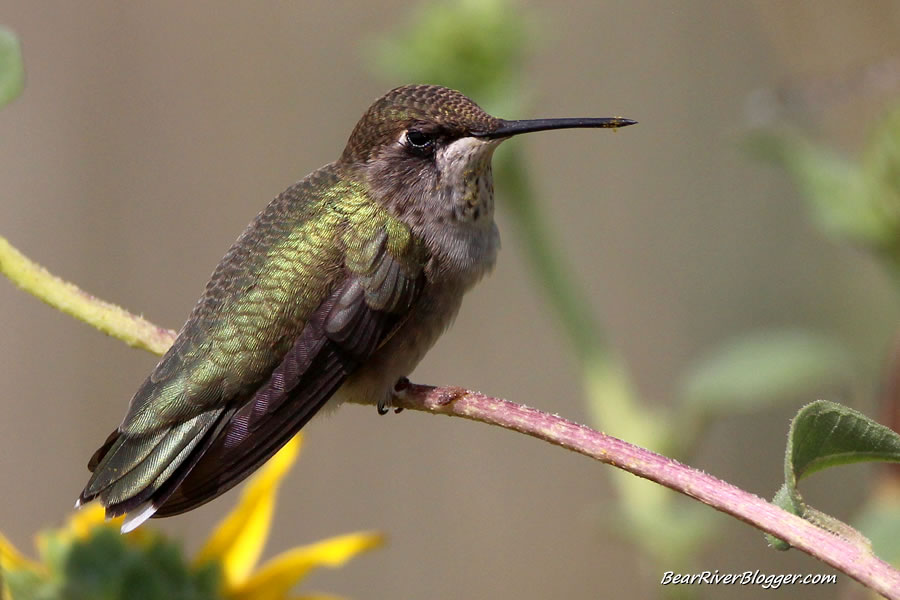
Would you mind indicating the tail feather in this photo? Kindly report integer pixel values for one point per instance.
(140, 482)
(134, 468)
(137, 516)
(123, 454)
(170, 480)
(102, 451)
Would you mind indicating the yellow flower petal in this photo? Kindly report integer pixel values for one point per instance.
(85, 519)
(13, 560)
(239, 539)
(276, 578)
(81, 524)
(77, 526)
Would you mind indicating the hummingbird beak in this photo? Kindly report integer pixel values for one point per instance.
(511, 128)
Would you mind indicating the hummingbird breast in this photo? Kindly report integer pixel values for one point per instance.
(463, 241)
(433, 314)
(448, 203)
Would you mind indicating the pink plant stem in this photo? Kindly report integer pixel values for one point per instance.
(854, 560)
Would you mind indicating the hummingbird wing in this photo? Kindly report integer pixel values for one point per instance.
(358, 317)
(317, 282)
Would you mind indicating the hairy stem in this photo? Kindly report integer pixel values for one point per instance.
(112, 320)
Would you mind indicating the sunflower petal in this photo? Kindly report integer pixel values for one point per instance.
(13, 560)
(82, 521)
(275, 579)
(239, 538)
(80, 525)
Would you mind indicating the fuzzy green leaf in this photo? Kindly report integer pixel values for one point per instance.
(825, 434)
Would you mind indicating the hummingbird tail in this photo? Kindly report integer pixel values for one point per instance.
(136, 518)
(181, 446)
(238, 450)
(135, 474)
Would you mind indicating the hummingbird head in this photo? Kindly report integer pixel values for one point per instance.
(425, 152)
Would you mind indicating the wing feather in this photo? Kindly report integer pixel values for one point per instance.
(345, 331)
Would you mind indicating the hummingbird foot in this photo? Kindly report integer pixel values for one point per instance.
(384, 405)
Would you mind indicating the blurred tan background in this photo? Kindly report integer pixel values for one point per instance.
(149, 134)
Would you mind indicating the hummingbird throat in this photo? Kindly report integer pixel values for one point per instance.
(466, 182)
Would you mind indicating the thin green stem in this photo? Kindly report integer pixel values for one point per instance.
(568, 302)
(112, 320)
(606, 379)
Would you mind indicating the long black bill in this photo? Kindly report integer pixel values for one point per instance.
(510, 128)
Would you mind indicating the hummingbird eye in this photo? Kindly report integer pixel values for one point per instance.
(419, 142)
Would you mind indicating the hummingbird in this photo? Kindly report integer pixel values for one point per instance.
(333, 293)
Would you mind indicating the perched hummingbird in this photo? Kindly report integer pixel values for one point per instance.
(334, 292)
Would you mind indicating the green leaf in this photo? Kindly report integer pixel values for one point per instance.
(825, 434)
(761, 368)
(836, 190)
(12, 73)
(475, 46)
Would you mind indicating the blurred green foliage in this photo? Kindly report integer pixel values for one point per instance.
(763, 367)
(856, 201)
(12, 71)
(478, 47)
(108, 566)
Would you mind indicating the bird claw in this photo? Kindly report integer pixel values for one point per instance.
(384, 404)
